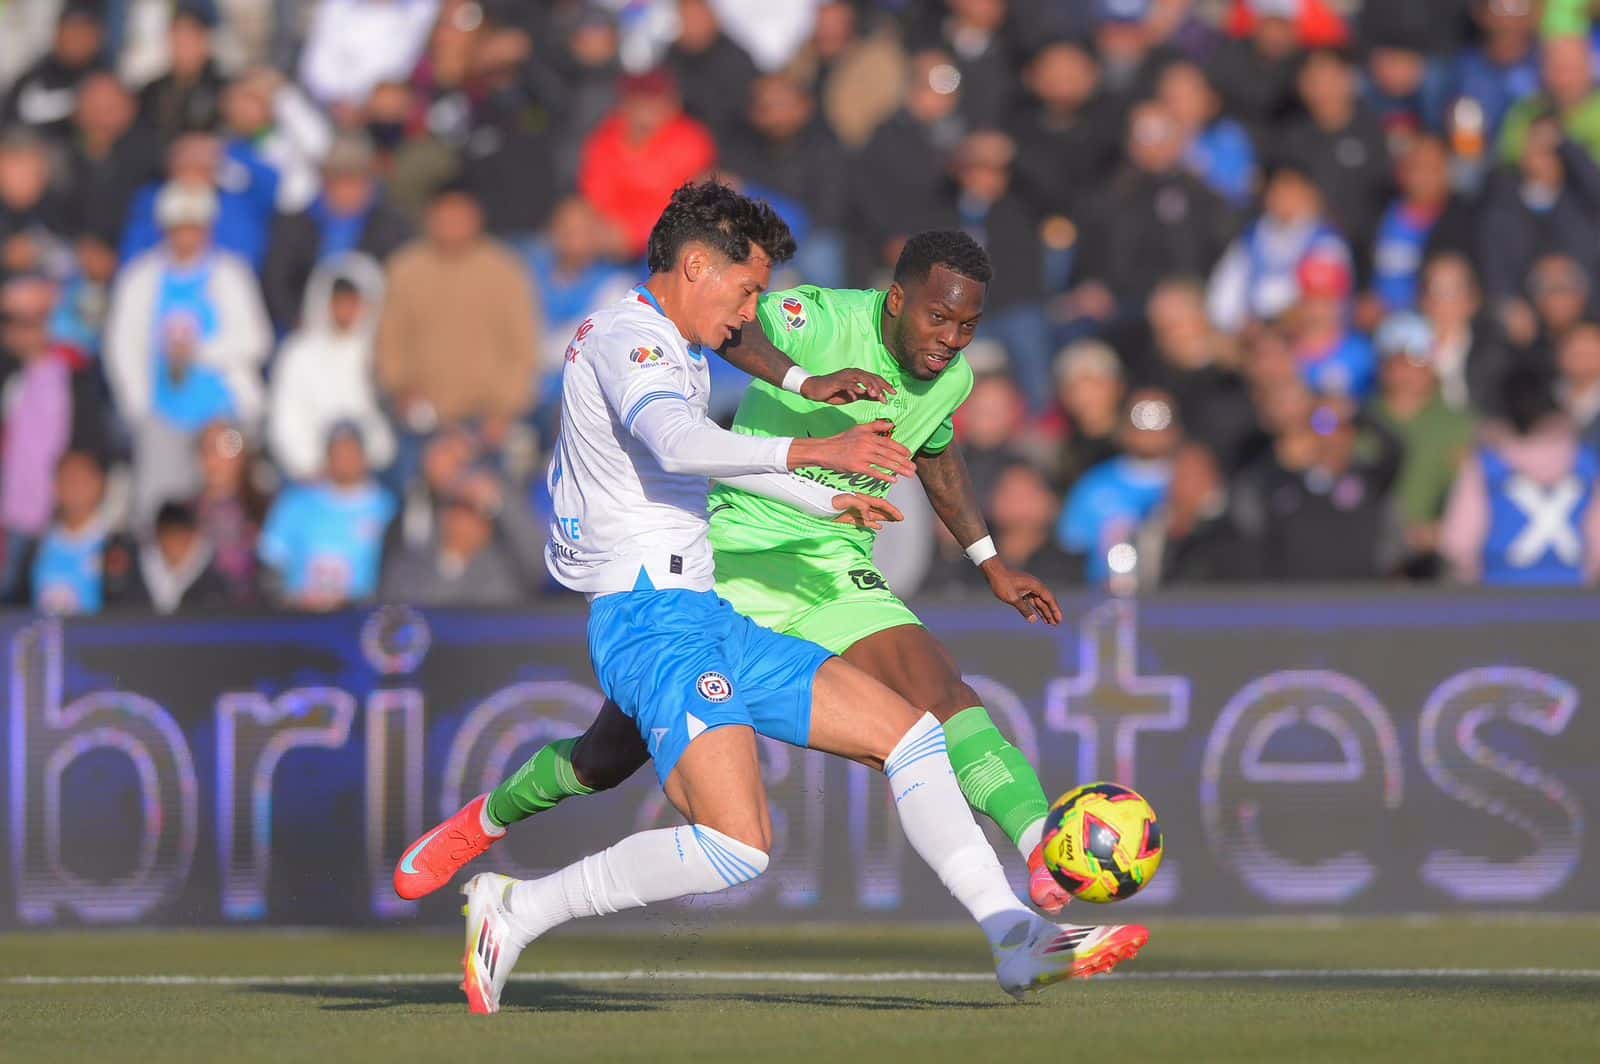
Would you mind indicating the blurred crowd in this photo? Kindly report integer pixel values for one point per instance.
(1285, 290)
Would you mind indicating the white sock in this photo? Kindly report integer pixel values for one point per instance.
(486, 822)
(1031, 836)
(938, 822)
(648, 867)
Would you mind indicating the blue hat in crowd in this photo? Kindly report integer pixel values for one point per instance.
(1122, 11)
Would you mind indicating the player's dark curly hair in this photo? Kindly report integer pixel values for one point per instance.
(950, 248)
(713, 214)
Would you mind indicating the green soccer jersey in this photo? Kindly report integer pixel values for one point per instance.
(823, 330)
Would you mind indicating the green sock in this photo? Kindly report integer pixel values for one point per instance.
(996, 779)
(544, 780)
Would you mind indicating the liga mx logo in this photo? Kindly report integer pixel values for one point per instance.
(794, 313)
(647, 356)
(714, 687)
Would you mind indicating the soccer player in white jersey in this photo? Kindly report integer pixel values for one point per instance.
(629, 481)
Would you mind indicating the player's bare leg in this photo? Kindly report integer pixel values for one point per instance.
(716, 785)
(994, 774)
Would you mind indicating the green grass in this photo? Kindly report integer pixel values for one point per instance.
(1286, 1018)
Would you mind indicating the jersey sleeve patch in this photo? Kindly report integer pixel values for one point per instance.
(794, 313)
(647, 356)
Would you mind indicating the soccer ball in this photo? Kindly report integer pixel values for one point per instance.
(1102, 842)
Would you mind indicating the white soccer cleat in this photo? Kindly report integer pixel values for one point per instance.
(1052, 952)
(493, 943)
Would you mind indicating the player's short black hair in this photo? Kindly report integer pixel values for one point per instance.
(950, 248)
(711, 213)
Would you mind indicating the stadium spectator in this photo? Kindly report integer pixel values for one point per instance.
(45, 96)
(1110, 502)
(349, 216)
(188, 97)
(987, 209)
(572, 278)
(80, 316)
(1537, 209)
(411, 159)
(1154, 221)
(187, 335)
(1334, 359)
(510, 142)
(1503, 68)
(1189, 362)
(1341, 145)
(1190, 538)
(973, 34)
(111, 158)
(458, 339)
(466, 566)
(323, 540)
(1404, 87)
(1131, 56)
(245, 186)
(37, 421)
(898, 181)
(323, 375)
(989, 424)
(1259, 277)
(25, 32)
(82, 565)
(783, 153)
(636, 157)
(1066, 134)
(1316, 505)
(1021, 510)
(1427, 219)
(1255, 69)
(1434, 437)
(1219, 151)
(1578, 384)
(175, 571)
(32, 225)
(1089, 391)
(1559, 290)
(587, 68)
(231, 509)
(271, 124)
(714, 74)
(1469, 353)
(352, 45)
(861, 69)
(1569, 96)
(1524, 509)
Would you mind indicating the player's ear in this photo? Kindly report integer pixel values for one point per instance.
(896, 300)
(694, 263)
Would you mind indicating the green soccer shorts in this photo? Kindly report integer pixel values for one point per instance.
(834, 599)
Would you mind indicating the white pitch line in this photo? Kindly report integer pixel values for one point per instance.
(665, 976)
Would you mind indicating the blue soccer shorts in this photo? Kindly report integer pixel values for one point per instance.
(681, 663)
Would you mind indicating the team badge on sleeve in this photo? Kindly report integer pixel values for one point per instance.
(647, 356)
(794, 313)
(714, 687)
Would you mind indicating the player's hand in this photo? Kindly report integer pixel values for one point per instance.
(1026, 594)
(864, 511)
(846, 386)
(863, 449)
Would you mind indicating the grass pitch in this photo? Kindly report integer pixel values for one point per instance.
(1201, 991)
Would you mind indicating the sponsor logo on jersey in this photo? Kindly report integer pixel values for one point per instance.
(869, 580)
(583, 330)
(714, 687)
(794, 314)
(647, 356)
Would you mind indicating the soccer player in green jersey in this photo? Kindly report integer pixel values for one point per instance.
(803, 574)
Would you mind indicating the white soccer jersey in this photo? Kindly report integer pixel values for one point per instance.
(630, 473)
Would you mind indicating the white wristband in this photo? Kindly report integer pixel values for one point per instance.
(982, 550)
(794, 379)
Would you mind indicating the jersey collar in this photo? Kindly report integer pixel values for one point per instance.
(648, 298)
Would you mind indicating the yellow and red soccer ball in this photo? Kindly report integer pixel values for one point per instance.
(1102, 842)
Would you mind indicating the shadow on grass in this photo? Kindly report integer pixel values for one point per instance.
(1524, 988)
(572, 997)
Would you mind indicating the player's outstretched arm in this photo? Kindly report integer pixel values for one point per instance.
(753, 352)
(949, 488)
(819, 500)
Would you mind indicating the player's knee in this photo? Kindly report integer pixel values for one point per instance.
(951, 698)
(738, 860)
(602, 766)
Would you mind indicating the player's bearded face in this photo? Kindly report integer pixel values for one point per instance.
(725, 297)
(934, 321)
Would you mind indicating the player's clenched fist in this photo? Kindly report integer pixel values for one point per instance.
(863, 449)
